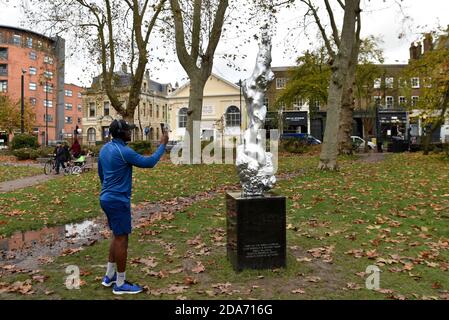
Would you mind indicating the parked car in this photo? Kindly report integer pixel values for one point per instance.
(360, 143)
(311, 140)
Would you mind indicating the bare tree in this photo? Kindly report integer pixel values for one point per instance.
(198, 28)
(342, 48)
(111, 30)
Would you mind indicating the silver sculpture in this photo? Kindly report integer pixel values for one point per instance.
(254, 164)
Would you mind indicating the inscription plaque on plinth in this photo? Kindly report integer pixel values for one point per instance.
(256, 231)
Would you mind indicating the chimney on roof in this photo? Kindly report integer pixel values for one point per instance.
(428, 42)
(124, 68)
(412, 51)
(419, 50)
(415, 50)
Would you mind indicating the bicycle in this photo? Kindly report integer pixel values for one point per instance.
(50, 166)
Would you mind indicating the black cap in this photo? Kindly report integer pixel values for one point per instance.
(114, 126)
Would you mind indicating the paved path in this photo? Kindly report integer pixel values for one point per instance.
(8, 186)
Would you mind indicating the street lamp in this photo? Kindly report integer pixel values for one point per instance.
(46, 112)
(378, 130)
(22, 103)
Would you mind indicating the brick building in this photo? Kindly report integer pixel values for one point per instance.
(73, 112)
(396, 113)
(41, 60)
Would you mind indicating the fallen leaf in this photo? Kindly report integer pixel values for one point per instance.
(198, 268)
(298, 291)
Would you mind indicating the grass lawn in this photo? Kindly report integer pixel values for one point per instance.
(392, 214)
(8, 173)
(75, 198)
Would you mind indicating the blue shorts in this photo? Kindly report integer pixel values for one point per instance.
(119, 216)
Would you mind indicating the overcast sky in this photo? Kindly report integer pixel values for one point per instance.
(381, 18)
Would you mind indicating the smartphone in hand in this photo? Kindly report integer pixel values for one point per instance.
(164, 127)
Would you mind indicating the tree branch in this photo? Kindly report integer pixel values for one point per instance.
(183, 55)
(320, 26)
(196, 30)
(216, 31)
(333, 24)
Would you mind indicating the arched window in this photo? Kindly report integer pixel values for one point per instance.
(233, 117)
(91, 136)
(182, 118)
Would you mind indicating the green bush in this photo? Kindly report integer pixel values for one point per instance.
(293, 146)
(26, 153)
(141, 146)
(24, 140)
(44, 151)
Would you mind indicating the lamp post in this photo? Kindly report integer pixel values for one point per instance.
(22, 103)
(46, 112)
(378, 130)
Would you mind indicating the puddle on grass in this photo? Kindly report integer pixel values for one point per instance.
(29, 239)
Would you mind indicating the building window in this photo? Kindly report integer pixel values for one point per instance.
(415, 83)
(280, 83)
(377, 83)
(106, 108)
(151, 110)
(377, 100)
(48, 87)
(3, 85)
(4, 53)
(48, 103)
(33, 71)
(3, 69)
(29, 42)
(80, 108)
(79, 95)
(402, 101)
(389, 82)
(389, 102)
(91, 136)
(49, 118)
(48, 74)
(415, 100)
(91, 110)
(402, 83)
(68, 106)
(157, 111)
(33, 55)
(182, 118)
(17, 39)
(68, 93)
(48, 60)
(33, 86)
(233, 117)
(79, 120)
(68, 119)
(33, 101)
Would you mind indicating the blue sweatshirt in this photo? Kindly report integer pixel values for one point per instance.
(115, 168)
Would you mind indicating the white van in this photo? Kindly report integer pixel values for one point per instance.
(444, 133)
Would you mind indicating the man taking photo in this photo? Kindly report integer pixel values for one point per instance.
(115, 170)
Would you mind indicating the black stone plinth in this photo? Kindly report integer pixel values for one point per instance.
(256, 231)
